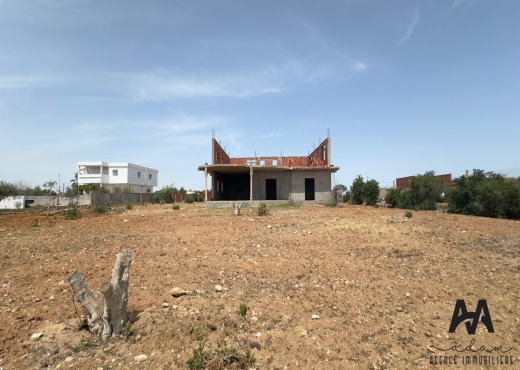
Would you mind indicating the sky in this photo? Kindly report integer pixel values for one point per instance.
(404, 87)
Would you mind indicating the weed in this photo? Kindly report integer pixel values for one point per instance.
(263, 210)
(238, 355)
(128, 330)
(408, 214)
(176, 207)
(101, 209)
(129, 206)
(35, 223)
(242, 310)
(72, 214)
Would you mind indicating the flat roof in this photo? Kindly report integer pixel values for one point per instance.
(245, 168)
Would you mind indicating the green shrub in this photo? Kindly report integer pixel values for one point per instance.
(176, 207)
(485, 194)
(189, 199)
(426, 189)
(72, 214)
(262, 210)
(371, 192)
(392, 198)
(357, 190)
(242, 310)
(101, 209)
(168, 198)
(129, 206)
(408, 214)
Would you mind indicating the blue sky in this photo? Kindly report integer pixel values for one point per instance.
(404, 86)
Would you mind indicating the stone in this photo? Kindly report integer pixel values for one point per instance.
(256, 345)
(36, 336)
(140, 358)
(315, 317)
(218, 288)
(165, 305)
(177, 292)
(269, 226)
(69, 359)
(300, 332)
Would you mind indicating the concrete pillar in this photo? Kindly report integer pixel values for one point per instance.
(251, 183)
(206, 183)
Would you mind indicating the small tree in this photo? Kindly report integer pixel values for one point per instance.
(7, 190)
(356, 190)
(371, 192)
(392, 198)
(425, 189)
(48, 188)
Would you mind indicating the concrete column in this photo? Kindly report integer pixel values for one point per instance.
(251, 183)
(206, 183)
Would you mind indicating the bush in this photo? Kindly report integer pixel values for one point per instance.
(72, 214)
(371, 192)
(408, 214)
(426, 189)
(263, 210)
(129, 206)
(189, 199)
(392, 198)
(486, 194)
(176, 207)
(168, 198)
(101, 209)
(357, 190)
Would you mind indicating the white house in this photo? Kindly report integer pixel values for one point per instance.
(116, 176)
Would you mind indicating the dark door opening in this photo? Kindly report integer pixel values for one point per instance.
(309, 189)
(270, 189)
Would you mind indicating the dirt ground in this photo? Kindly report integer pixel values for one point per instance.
(383, 287)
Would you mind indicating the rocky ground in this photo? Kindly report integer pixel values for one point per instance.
(302, 288)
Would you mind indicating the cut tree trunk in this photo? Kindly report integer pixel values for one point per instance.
(109, 317)
(236, 207)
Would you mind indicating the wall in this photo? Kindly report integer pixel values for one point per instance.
(143, 180)
(122, 175)
(12, 203)
(322, 185)
(283, 184)
(290, 184)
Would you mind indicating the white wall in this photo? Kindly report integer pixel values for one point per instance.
(13, 203)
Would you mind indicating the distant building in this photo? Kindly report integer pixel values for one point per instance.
(306, 178)
(403, 183)
(116, 176)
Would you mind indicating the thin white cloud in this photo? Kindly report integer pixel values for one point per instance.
(456, 3)
(359, 66)
(165, 86)
(18, 82)
(266, 136)
(409, 31)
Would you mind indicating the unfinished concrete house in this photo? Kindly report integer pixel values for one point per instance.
(272, 179)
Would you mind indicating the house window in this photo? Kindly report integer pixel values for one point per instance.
(147, 190)
(138, 174)
(149, 176)
(115, 172)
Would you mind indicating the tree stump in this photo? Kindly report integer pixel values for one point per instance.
(109, 317)
(236, 207)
